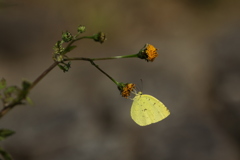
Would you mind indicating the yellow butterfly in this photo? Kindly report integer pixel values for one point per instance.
(147, 109)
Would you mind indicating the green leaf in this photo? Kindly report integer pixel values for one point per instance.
(3, 83)
(68, 49)
(68, 64)
(65, 67)
(26, 85)
(25, 90)
(28, 99)
(5, 155)
(9, 90)
(62, 68)
(4, 133)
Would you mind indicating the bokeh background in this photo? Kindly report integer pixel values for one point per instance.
(81, 115)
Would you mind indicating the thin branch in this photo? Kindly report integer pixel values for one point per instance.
(7, 108)
(98, 59)
(103, 72)
(43, 75)
(91, 61)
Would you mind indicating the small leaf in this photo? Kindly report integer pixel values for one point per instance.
(28, 99)
(65, 67)
(62, 68)
(9, 90)
(4, 133)
(68, 49)
(25, 90)
(68, 64)
(3, 83)
(5, 155)
(26, 85)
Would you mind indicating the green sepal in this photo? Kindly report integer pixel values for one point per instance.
(99, 37)
(67, 36)
(81, 29)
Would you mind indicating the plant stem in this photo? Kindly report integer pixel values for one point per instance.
(7, 108)
(39, 78)
(103, 72)
(98, 59)
(91, 61)
(87, 37)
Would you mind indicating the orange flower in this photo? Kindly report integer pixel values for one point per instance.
(126, 89)
(148, 52)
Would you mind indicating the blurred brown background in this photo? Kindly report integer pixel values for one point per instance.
(80, 114)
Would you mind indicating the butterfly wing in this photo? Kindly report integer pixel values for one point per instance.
(146, 110)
